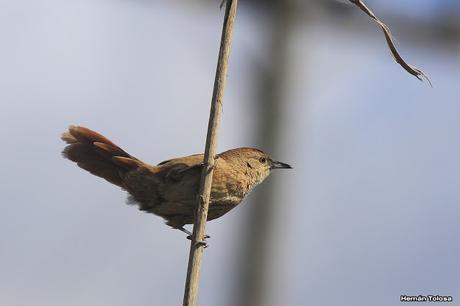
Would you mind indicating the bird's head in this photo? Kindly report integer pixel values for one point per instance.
(253, 162)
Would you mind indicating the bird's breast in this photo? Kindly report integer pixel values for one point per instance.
(230, 187)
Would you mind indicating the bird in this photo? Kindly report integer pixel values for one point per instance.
(170, 189)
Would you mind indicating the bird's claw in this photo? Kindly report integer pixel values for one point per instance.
(189, 237)
(202, 243)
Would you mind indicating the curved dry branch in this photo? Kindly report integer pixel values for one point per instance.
(419, 74)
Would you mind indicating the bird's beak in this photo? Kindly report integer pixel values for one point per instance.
(279, 165)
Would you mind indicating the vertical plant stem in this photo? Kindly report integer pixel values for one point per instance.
(196, 249)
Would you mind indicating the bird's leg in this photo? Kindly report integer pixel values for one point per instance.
(184, 230)
(200, 242)
(189, 237)
(197, 242)
(178, 224)
(189, 234)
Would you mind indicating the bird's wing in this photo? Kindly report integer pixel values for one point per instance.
(169, 192)
(181, 180)
(167, 189)
(182, 177)
(187, 160)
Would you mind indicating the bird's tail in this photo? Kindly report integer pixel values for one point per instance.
(98, 155)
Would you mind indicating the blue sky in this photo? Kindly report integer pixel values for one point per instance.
(369, 212)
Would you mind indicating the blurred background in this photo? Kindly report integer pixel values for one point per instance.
(370, 211)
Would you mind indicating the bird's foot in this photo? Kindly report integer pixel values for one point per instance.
(189, 237)
(202, 243)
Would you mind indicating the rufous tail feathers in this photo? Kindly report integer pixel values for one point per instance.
(98, 155)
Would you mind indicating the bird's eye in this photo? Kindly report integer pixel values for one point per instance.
(263, 160)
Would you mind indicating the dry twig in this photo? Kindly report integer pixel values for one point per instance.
(419, 74)
(196, 247)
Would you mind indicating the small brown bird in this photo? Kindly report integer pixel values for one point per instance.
(169, 189)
